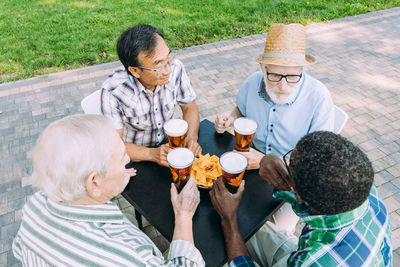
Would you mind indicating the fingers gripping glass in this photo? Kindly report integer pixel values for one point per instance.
(161, 68)
(290, 78)
(286, 158)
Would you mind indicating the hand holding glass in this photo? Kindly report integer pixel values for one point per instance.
(244, 132)
(180, 162)
(233, 166)
(176, 130)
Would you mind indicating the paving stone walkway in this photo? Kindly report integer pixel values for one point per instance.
(358, 60)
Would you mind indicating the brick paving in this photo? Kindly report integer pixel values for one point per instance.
(358, 60)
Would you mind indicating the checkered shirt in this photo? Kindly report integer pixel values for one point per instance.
(139, 111)
(242, 261)
(360, 237)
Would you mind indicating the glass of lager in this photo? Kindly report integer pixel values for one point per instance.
(180, 162)
(233, 166)
(244, 132)
(176, 130)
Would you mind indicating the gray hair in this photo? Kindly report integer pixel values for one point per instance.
(67, 151)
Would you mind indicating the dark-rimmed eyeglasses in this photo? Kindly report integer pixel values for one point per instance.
(290, 78)
(286, 159)
(162, 67)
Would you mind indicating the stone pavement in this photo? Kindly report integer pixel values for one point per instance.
(358, 60)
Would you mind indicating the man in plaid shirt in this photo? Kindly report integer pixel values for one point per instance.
(329, 183)
(140, 96)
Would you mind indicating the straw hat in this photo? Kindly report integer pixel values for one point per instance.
(286, 46)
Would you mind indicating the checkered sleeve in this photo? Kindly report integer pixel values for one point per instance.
(110, 107)
(242, 261)
(185, 91)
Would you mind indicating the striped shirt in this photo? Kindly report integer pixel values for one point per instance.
(360, 237)
(141, 112)
(56, 234)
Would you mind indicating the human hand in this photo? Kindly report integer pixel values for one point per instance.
(131, 172)
(274, 172)
(159, 154)
(223, 122)
(194, 147)
(185, 203)
(225, 203)
(253, 158)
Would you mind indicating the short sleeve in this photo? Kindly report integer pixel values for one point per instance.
(242, 261)
(185, 91)
(241, 98)
(324, 115)
(110, 107)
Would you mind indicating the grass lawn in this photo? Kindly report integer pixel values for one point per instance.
(44, 36)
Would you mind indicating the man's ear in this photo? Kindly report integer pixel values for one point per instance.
(93, 182)
(134, 71)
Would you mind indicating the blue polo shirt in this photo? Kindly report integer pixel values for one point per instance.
(281, 126)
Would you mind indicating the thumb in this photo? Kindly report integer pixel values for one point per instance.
(174, 193)
(241, 187)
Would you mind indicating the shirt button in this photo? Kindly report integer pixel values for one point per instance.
(274, 110)
(156, 109)
(270, 130)
(159, 123)
(272, 125)
(137, 122)
(269, 149)
(158, 134)
(269, 145)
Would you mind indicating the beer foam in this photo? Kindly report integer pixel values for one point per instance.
(233, 162)
(245, 126)
(180, 157)
(175, 127)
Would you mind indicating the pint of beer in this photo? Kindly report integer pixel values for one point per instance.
(233, 166)
(244, 132)
(180, 162)
(176, 130)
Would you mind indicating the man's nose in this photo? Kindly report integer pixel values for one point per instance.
(282, 84)
(166, 70)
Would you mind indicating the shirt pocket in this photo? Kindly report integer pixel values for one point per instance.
(168, 111)
(140, 123)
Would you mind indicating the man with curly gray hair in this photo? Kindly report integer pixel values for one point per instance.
(79, 166)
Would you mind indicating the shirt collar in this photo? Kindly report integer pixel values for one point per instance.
(322, 222)
(332, 222)
(262, 92)
(105, 213)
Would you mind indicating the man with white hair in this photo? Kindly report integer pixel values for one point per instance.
(71, 220)
(285, 101)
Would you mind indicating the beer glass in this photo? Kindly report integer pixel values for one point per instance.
(233, 166)
(176, 130)
(180, 162)
(244, 132)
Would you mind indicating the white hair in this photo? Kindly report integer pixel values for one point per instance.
(69, 150)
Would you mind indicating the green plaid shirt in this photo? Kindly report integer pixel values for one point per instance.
(360, 237)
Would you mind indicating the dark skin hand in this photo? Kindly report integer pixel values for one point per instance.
(227, 205)
(274, 172)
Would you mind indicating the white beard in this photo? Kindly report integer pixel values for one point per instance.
(279, 97)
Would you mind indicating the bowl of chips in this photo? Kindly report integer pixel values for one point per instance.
(205, 170)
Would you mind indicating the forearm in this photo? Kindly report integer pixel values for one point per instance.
(233, 239)
(183, 229)
(236, 113)
(139, 153)
(191, 116)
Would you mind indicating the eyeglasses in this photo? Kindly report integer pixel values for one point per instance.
(286, 161)
(290, 78)
(162, 67)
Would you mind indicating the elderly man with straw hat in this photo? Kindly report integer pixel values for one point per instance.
(285, 101)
